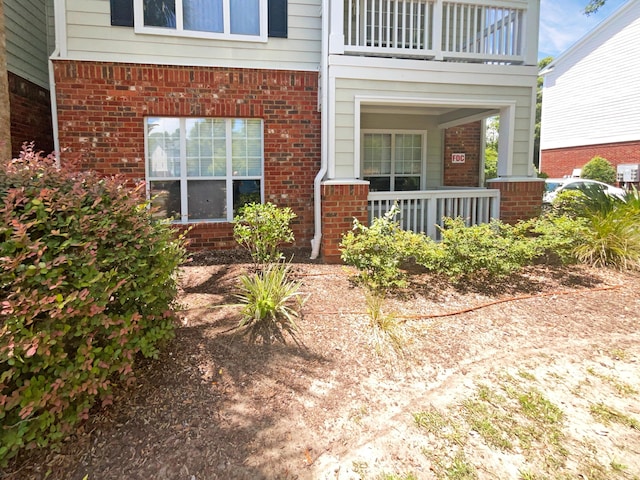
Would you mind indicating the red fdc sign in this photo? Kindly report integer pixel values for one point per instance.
(457, 158)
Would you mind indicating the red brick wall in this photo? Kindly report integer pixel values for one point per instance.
(518, 200)
(562, 161)
(340, 204)
(101, 107)
(30, 114)
(465, 139)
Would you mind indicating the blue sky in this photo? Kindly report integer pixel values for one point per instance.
(562, 23)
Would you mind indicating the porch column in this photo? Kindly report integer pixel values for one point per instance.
(520, 199)
(342, 201)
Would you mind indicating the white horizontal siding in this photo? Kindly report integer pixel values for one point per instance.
(348, 88)
(26, 36)
(592, 96)
(90, 36)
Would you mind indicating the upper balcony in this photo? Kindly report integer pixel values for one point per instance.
(478, 31)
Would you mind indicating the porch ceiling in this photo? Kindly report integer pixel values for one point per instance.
(444, 115)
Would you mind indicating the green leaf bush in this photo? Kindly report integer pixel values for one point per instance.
(496, 249)
(261, 228)
(87, 282)
(379, 250)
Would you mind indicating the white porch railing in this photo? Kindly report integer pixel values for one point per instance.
(421, 211)
(469, 30)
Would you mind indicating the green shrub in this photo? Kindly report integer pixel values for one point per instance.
(568, 202)
(261, 229)
(379, 250)
(268, 309)
(495, 249)
(554, 236)
(87, 281)
(600, 169)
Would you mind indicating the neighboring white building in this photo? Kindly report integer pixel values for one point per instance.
(591, 97)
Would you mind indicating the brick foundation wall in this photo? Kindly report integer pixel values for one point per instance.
(30, 107)
(101, 110)
(519, 200)
(340, 204)
(465, 139)
(562, 161)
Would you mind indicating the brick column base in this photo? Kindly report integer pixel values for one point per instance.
(341, 202)
(519, 199)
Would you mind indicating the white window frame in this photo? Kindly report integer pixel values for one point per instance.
(393, 133)
(179, 31)
(184, 178)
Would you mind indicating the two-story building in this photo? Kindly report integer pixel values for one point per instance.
(335, 108)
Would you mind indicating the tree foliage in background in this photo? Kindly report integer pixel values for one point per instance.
(491, 148)
(593, 6)
(599, 169)
(542, 64)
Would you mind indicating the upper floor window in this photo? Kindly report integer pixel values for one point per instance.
(203, 169)
(224, 19)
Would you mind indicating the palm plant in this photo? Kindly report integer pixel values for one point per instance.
(613, 236)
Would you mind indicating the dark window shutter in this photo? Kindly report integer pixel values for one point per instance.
(122, 13)
(278, 18)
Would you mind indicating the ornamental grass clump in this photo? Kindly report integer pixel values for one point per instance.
(612, 236)
(271, 303)
(87, 282)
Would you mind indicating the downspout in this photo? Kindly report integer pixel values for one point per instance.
(54, 106)
(324, 103)
(60, 33)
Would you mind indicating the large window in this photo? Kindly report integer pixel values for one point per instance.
(203, 169)
(232, 19)
(392, 161)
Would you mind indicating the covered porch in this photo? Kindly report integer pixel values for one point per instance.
(428, 159)
(409, 84)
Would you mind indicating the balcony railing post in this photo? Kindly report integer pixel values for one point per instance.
(436, 41)
(532, 18)
(336, 29)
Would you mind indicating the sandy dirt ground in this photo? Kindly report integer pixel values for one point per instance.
(336, 407)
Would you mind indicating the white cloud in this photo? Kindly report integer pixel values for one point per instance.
(562, 23)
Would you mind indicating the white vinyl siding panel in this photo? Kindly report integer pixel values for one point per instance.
(90, 36)
(592, 96)
(348, 89)
(26, 35)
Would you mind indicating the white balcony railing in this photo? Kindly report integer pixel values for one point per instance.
(421, 211)
(471, 30)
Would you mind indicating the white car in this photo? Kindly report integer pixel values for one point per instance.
(553, 186)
